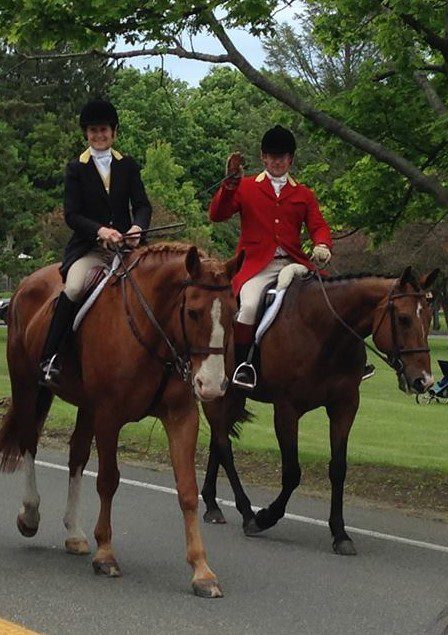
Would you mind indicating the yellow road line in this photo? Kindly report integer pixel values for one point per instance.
(8, 628)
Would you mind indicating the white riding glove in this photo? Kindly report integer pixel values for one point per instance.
(321, 256)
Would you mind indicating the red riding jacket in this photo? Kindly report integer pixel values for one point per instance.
(268, 222)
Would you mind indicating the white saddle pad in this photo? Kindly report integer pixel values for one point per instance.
(93, 296)
(285, 278)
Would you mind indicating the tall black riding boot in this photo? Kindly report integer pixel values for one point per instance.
(61, 323)
(245, 374)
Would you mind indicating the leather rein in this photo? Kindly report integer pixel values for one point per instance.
(179, 361)
(393, 359)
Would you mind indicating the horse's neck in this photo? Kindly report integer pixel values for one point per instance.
(355, 301)
(159, 285)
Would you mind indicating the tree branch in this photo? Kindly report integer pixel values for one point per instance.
(420, 181)
(429, 68)
(178, 51)
(431, 95)
(435, 41)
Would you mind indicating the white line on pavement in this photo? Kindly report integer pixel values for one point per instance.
(301, 519)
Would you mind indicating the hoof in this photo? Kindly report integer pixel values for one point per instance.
(26, 531)
(214, 516)
(109, 568)
(77, 547)
(251, 528)
(344, 547)
(207, 589)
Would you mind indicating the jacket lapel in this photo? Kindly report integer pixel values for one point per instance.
(265, 186)
(288, 188)
(96, 178)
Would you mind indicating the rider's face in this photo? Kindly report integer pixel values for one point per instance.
(277, 164)
(100, 137)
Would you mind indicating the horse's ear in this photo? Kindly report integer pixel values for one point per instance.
(427, 281)
(233, 265)
(193, 262)
(407, 277)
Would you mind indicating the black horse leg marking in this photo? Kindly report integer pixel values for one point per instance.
(341, 419)
(286, 429)
(213, 513)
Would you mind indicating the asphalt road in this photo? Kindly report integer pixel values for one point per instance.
(285, 581)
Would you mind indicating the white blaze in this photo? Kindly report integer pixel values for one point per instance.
(210, 377)
(419, 316)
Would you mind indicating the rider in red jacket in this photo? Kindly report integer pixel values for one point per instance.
(272, 207)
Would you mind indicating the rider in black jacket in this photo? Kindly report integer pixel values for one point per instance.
(104, 199)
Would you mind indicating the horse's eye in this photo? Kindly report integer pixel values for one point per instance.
(404, 320)
(193, 314)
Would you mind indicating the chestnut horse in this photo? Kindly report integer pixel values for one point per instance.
(312, 356)
(124, 363)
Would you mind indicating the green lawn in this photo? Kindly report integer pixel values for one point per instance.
(390, 429)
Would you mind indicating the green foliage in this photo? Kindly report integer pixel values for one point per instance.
(162, 177)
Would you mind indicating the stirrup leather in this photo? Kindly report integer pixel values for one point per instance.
(249, 369)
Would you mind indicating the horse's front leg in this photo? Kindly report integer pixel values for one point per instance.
(182, 430)
(342, 415)
(80, 445)
(221, 415)
(286, 429)
(213, 513)
(106, 431)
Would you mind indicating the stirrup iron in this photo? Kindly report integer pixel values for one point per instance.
(252, 373)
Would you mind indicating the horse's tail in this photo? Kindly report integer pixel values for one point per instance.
(11, 431)
(243, 416)
(9, 442)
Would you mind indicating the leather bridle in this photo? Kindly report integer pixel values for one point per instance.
(179, 361)
(394, 359)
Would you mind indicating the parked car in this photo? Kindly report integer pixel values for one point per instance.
(4, 304)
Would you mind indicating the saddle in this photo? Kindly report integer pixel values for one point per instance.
(270, 303)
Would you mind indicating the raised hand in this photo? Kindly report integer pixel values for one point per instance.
(234, 170)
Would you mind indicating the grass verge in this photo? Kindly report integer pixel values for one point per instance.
(397, 452)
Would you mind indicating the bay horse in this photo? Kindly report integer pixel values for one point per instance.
(314, 355)
(153, 341)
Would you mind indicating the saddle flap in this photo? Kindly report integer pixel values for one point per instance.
(93, 278)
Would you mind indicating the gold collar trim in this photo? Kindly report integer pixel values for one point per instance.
(85, 156)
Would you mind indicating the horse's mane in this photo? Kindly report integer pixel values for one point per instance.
(358, 276)
(166, 250)
(169, 251)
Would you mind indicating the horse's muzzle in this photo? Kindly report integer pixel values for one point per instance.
(205, 392)
(417, 386)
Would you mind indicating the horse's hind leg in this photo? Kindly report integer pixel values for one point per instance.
(341, 418)
(80, 445)
(18, 438)
(182, 431)
(286, 428)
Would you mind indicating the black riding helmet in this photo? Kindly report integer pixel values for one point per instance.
(97, 112)
(278, 140)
